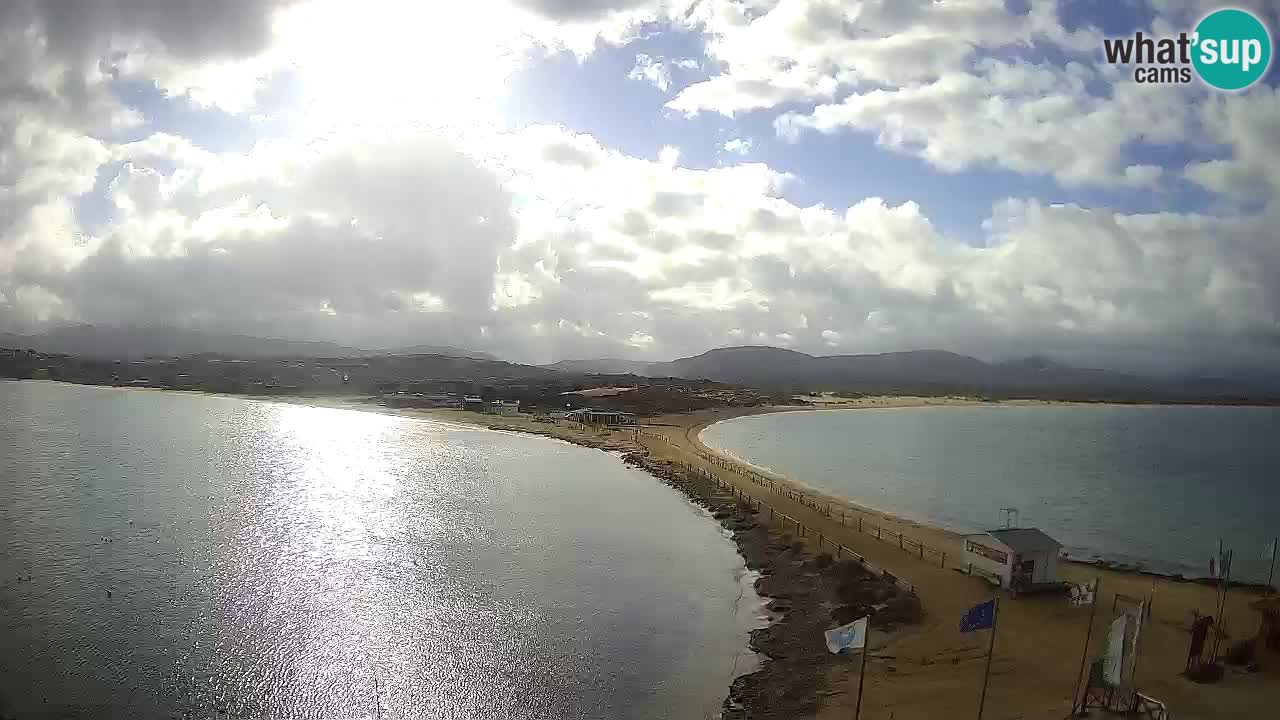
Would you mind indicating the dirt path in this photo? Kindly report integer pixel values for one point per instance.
(933, 671)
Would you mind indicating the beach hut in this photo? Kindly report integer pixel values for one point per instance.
(1014, 558)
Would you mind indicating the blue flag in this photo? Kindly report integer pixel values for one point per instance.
(979, 617)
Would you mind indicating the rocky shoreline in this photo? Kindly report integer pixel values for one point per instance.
(808, 593)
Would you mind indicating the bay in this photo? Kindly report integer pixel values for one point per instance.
(181, 555)
(1156, 486)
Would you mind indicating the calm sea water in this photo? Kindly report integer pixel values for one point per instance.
(275, 560)
(1151, 485)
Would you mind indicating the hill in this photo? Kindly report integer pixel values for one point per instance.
(111, 342)
(446, 350)
(603, 366)
(935, 372)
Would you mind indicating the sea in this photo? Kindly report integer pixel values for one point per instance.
(1161, 488)
(181, 555)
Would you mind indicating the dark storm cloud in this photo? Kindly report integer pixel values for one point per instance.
(187, 29)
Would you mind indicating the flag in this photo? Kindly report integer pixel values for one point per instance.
(848, 637)
(1131, 648)
(1270, 551)
(1081, 594)
(1113, 652)
(979, 617)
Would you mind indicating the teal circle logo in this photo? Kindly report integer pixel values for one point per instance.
(1232, 49)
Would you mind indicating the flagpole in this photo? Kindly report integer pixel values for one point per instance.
(995, 614)
(1222, 609)
(1272, 574)
(862, 673)
(1088, 633)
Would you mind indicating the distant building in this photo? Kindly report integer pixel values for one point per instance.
(504, 407)
(1014, 558)
(600, 392)
(403, 399)
(474, 403)
(588, 416)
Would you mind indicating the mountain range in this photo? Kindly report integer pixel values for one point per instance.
(915, 371)
(923, 371)
(159, 341)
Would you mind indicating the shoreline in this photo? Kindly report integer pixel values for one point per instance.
(919, 670)
(803, 592)
(693, 433)
(1046, 636)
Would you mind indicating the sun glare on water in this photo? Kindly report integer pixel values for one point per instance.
(394, 62)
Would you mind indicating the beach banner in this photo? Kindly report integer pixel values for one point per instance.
(1113, 651)
(979, 617)
(1081, 594)
(848, 637)
(1131, 646)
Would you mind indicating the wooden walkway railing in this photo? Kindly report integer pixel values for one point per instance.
(776, 516)
(803, 531)
(863, 523)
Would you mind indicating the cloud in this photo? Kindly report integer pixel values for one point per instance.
(962, 85)
(656, 73)
(797, 50)
(392, 240)
(542, 242)
(1247, 124)
(1038, 119)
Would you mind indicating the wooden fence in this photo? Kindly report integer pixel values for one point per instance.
(866, 524)
(801, 530)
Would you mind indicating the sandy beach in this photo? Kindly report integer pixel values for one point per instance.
(930, 670)
(936, 671)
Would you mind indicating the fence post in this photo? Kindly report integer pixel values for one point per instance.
(921, 551)
(878, 535)
(819, 541)
(943, 562)
(859, 523)
(900, 545)
(970, 568)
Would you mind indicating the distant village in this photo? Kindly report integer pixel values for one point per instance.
(427, 381)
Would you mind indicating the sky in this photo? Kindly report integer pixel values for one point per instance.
(552, 179)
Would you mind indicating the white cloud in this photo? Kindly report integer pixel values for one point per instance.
(1247, 124)
(658, 71)
(543, 243)
(1028, 118)
(654, 72)
(795, 50)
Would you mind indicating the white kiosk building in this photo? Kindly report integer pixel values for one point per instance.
(1014, 558)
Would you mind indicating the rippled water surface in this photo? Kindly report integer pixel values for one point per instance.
(1151, 485)
(194, 555)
